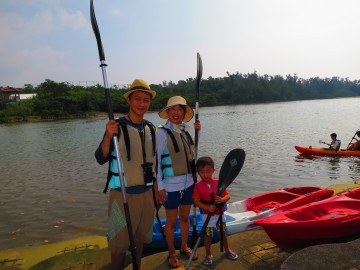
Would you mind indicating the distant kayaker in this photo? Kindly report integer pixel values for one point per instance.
(176, 166)
(138, 152)
(335, 143)
(205, 199)
(356, 145)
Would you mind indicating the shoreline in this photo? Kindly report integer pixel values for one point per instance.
(93, 251)
(35, 119)
(255, 249)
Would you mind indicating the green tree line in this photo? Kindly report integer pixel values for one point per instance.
(61, 100)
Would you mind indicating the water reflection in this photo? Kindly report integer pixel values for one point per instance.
(332, 165)
(354, 166)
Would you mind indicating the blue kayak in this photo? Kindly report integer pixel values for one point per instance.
(159, 242)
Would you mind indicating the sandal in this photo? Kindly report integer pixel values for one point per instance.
(231, 255)
(188, 253)
(173, 261)
(208, 261)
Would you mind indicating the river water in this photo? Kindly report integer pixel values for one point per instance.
(51, 186)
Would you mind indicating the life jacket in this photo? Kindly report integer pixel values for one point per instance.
(356, 146)
(135, 148)
(180, 151)
(208, 198)
(335, 145)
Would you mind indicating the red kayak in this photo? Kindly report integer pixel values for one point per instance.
(320, 222)
(325, 152)
(240, 215)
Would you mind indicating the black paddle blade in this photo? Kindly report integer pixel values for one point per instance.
(230, 168)
(198, 76)
(96, 31)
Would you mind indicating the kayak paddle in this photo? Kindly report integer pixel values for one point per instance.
(197, 94)
(103, 65)
(352, 138)
(230, 169)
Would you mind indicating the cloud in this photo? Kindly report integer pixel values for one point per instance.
(31, 66)
(116, 12)
(75, 20)
(35, 45)
(16, 29)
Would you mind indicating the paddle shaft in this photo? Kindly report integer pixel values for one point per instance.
(197, 243)
(197, 96)
(103, 65)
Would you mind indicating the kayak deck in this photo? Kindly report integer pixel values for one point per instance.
(315, 223)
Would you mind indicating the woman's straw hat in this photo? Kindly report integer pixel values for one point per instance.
(140, 85)
(177, 100)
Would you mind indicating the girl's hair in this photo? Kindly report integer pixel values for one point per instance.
(204, 161)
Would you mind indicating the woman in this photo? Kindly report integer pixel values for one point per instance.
(356, 145)
(175, 154)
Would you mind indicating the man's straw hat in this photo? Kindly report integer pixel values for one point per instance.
(140, 85)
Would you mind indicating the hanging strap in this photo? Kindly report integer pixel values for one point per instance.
(221, 230)
(172, 137)
(110, 173)
(152, 132)
(189, 138)
(186, 156)
(126, 139)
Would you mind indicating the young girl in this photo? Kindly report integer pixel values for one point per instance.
(204, 197)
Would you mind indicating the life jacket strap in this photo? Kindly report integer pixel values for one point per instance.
(152, 132)
(126, 139)
(172, 137)
(188, 136)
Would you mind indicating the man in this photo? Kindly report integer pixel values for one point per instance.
(136, 142)
(335, 143)
(356, 145)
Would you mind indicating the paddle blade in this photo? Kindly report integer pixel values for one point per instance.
(96, 31)
(230, 168)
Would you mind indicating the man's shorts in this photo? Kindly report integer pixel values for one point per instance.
(141, 208)
(176, 198)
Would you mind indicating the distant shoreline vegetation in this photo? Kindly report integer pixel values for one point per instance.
(63, 100)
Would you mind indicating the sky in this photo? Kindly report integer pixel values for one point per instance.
(157, 40)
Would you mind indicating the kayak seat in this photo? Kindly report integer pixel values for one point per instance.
(311, 213)
(335, 214)
(268, 206)
(353, 194)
